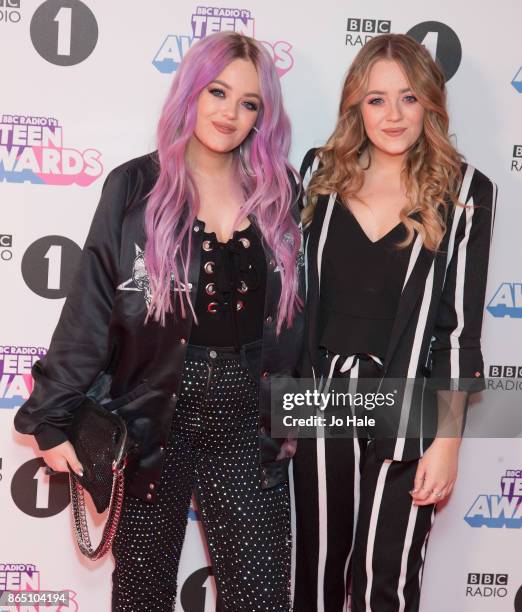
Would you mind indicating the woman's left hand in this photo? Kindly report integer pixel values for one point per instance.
(436, 472)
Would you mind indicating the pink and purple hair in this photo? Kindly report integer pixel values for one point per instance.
(265, 175)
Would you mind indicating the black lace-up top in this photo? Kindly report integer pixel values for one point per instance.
(231, 293)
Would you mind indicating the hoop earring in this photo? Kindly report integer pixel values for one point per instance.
(255, 129)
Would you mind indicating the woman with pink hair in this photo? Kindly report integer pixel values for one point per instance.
(187, 302)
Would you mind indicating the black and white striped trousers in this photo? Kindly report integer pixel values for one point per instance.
(357, 534)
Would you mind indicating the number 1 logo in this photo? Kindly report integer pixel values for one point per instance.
(64, 32)
(442, 43)
(49, 265)
(64, 20)
(37, 494)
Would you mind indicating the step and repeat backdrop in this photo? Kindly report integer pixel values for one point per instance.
(83, 85)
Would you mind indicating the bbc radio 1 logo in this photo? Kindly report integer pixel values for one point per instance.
(504, 378)
(198, 592)
(441, 41)
(516, 162)
(64, 32)
(505, 371)
(359, 31)
(210, 19)
(26, 577)
(482, 585)
(6, 246)
(518, 600)
(498, 511)
(507, 301)
(16, 382)
(10, 11)
(49, 266)
(37, 493)
(32, 150)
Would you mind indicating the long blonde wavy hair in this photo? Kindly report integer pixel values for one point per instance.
(432, 170)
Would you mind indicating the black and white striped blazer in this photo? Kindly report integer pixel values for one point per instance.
(437, 329)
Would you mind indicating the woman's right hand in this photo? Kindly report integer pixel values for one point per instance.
(59, 456)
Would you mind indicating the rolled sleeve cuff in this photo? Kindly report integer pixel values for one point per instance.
(467, 363)
(48, 436)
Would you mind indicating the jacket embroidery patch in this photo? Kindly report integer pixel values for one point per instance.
(139, 281)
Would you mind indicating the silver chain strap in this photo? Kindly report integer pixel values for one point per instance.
(113, 517)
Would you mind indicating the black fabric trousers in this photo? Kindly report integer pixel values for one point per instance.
(213, 452)
(359, 538)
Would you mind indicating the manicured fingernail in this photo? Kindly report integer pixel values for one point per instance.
(80, 472)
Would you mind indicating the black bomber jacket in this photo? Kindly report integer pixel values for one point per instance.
(101, 329)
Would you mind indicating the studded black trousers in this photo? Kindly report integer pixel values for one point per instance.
(213, 452)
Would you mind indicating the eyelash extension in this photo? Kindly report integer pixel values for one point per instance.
(219, 93)
(252, 106)
(410, 98)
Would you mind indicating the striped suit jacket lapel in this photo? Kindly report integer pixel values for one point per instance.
(419, 280)
(315, 242)
(417, 274)
(419, 285)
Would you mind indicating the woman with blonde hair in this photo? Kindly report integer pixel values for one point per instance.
(397, 243)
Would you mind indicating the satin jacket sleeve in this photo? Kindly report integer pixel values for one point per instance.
(79, 348)
(456, 345)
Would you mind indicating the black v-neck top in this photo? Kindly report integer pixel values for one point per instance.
(361, 284)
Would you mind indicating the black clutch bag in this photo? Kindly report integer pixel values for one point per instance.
(100, 440)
